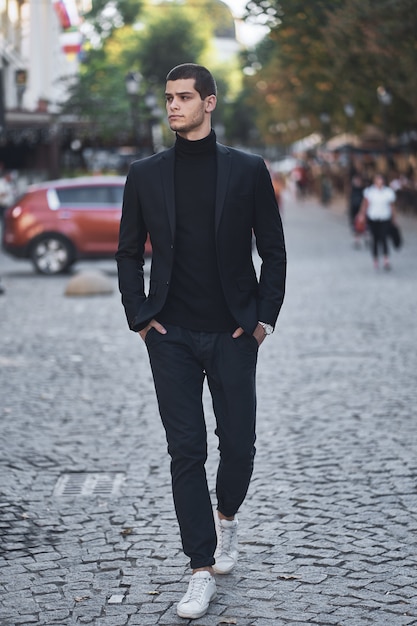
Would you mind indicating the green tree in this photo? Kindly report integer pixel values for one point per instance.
(322, 55)
(166, 37)
(105, 16)
(169, 37)
(294, 86)
(98, 98)
(371, 45)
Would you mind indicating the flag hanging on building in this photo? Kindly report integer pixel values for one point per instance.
(69, 19)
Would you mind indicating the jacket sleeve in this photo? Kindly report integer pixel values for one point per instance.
(271, 248)
(130, 252)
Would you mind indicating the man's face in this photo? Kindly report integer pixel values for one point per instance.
(187, 113)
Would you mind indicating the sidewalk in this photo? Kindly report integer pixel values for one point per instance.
(328, 532)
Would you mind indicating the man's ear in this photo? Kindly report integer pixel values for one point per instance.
(211, 102)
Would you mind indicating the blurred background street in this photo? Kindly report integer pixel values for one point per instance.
(327, 534)
(311, 87)
(326, 92)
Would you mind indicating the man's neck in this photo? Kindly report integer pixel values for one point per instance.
(195, 135)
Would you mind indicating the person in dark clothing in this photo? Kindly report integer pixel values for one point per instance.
(355, 201)
(206, 312)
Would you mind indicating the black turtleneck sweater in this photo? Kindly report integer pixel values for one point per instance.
(195, 298)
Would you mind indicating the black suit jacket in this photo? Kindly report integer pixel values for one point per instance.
(245, 204)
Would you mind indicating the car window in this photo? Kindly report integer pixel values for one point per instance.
(92, 195)
(117, 194)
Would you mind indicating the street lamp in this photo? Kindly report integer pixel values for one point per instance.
(349, 110)
(21, 83)
(385, 100)
(384, 96)
(154, 115)
(133, 82)
(325, 120)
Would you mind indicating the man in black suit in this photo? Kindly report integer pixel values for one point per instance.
(206, 312)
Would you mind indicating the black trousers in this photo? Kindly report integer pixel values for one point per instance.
(180, 361)
(379, 232)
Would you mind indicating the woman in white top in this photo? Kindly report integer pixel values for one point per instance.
(379, 207)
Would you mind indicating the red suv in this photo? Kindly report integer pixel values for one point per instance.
(57, 222)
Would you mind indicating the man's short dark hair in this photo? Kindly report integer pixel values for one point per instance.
(204, 81)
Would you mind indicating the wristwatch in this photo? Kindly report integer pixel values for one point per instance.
(267, 328)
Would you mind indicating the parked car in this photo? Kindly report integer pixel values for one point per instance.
(58, 222)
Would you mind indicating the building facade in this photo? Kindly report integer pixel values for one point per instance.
(39, 45)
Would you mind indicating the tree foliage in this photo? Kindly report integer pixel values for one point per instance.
(98, 99)
(373, 44)
(107, 15)
(168, 39)
(323, 55)
(119, 44)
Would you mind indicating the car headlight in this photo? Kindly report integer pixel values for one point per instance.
(16, 212)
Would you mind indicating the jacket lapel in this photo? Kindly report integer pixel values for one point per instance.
(167, 176)
(224, 162)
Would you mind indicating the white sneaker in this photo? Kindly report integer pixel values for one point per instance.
(201, 591)
(226, 552)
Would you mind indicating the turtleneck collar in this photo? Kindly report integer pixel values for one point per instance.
(199, 146)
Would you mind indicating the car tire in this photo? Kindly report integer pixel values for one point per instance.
(52, 254)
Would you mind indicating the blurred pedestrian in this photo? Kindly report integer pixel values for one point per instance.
(206, 314)
(379, 207)
(6, 192)
(6, 199)
(300, 178)
(355, 200)
(278, 183)
(326, 187)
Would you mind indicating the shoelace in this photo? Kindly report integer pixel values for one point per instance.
(197, 588)
(226, 539)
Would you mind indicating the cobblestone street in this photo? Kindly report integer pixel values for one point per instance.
(328, 533)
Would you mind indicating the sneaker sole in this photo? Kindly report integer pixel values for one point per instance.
(224, 571)
(195, 615)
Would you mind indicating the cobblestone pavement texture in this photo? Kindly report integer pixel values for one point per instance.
(328, 531)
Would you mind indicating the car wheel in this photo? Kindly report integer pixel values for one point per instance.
(51, 255)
